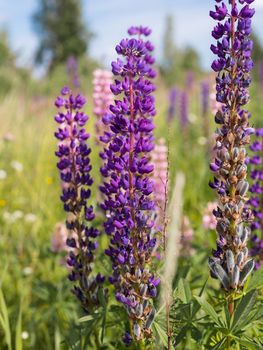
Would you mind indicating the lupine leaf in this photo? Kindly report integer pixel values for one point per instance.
(181, 335)
(184, 291)
(243, 309)
(256, 280)
(249, 344)
(208, 308)
(161, 333)
(219, 345)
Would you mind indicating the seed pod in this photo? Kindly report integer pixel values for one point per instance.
(242, 152)
(138, 273)
(235, 277)
(145, 304)
(235, 153)
(245, 252)
(241, 169)
(143, 289)
(139, 310)
(230, 260)
(239, 229)
(220, 273)
(240, 258)
(245, 234)
(247, 269)
(242, 187)
(150, 319)
(137, 330)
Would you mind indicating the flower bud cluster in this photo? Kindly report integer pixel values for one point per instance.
(74, 166)
(230, 262)
(128, 185)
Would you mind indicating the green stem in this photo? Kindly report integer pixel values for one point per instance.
(142, 345)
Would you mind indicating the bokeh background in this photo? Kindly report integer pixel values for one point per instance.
(39, 40)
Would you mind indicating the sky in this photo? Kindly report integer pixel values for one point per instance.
(109, 20)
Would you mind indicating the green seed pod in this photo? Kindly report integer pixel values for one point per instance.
(220, 273)
(230, 260)
(137, 330)
(235, 277)
(240, 258)
(247, 269)
(150, 319)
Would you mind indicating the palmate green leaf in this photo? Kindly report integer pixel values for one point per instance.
(256, 280)
(243, 309)
(249, 344)
(208, 308)
(160, 332)
(219, 345)
(89, 318)
(181, 335)
(184, 291)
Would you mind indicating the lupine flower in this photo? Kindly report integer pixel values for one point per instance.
(184, 110)
(128, 185)
(215, 105)
(209, 220)
(205, 98)
(102, 99)
(8, 137)
(189, 80)
(59, 238)
(159, 158)
(205, 113)
(187, 234)
(74, 166)
(173, 94)
(255, 201)
(230, 262)
(72, 70)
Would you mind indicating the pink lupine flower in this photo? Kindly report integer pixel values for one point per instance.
(159, 158)
(102, 98)
(187, 234)
(209, 220)
(215, 105)
(59, 238)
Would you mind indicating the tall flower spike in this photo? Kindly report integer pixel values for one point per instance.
(159, 158)
(72, 71)
(128, 185)
(230, 262)
(74, 166)
(173, 94)
(102, 99)
(256, 201)
(184, 110)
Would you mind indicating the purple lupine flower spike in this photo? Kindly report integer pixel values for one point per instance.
(205, 98)
(230, 262)
(184, 110)
(102, 99)
(72, 71)
(172, 104)
(256, 201)
(128, 185)
(74, 166)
